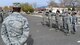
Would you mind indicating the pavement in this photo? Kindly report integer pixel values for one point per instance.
(42, 35)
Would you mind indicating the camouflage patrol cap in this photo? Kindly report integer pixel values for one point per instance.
(16, 5)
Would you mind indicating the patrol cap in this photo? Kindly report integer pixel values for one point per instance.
(16, 5)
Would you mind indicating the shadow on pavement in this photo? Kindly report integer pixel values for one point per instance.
(30, 40)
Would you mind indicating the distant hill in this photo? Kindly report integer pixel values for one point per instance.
(43, 7)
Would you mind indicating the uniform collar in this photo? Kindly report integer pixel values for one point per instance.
(16, 13)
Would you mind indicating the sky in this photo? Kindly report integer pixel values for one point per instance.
(38, 2)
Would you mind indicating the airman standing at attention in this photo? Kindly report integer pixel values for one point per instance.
(15, 28)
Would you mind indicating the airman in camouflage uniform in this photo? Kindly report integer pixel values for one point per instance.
(57, 19)
(67, 22)
(1, 16)
(15, 29)
(74, 22)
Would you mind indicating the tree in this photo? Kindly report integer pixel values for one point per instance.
(34, 5)
(71, 2)
(52, 3)
(27, 8)
(6, 8)
(10, 8)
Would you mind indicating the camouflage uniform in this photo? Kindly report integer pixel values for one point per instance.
(15, 29)
(1, 17)
(63, 17)
(74, 21)
(58, 20)
(67, 22)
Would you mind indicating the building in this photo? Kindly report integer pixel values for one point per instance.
(54, 9)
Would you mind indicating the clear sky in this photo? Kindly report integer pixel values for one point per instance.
(38, 2)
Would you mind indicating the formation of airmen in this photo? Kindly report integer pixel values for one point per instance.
(67, 23)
